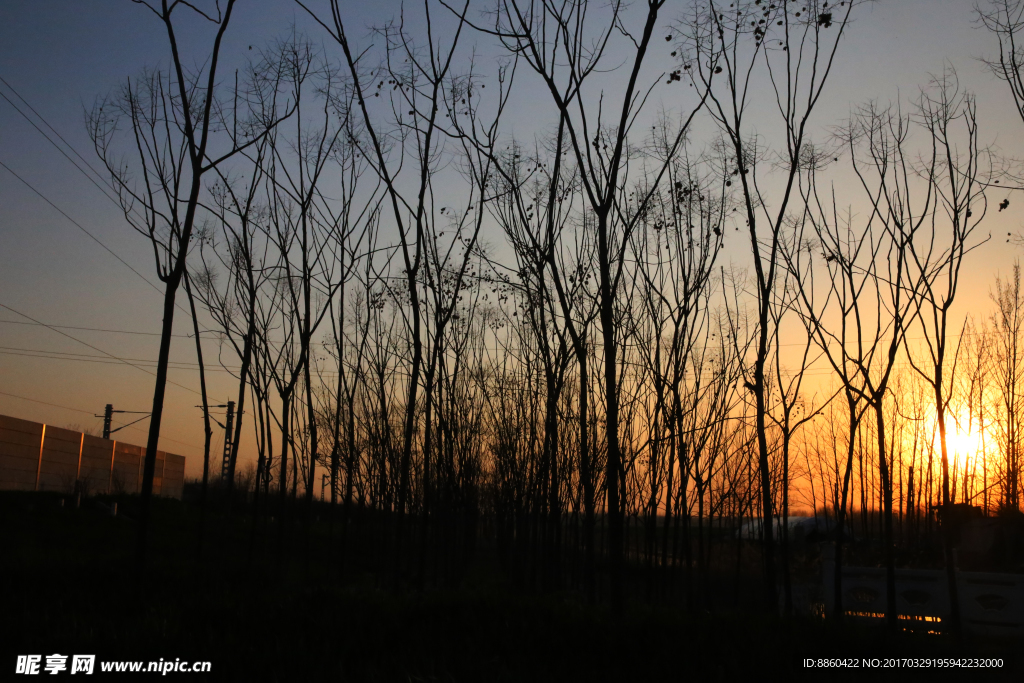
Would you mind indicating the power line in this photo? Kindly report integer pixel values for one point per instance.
(103, 360)
(61, 354)
(116, 360)
(79, 226)
(54, 405)
(94, 239)
(47, 124)
(102, 188)
(99, 329)
(79, 168)
(95, 348)
(129, 425)
(97, 240)
(56, 146)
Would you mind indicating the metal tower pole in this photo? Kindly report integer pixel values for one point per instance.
(229, 432)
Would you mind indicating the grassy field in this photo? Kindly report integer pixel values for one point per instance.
(70, 586)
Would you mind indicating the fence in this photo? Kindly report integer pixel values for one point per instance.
(40, 457)
(990, 604)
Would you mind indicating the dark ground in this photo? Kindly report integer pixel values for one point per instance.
(69, 586)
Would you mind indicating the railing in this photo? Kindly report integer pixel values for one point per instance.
(990, 604)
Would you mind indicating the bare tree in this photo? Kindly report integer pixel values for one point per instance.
(676, 255)
(1005, 20)
(172, 120)
(602, 151)
(958, 172)
(417, 102)
(731, 52)
(1008, 368)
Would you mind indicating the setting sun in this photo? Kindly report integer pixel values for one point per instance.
(962, 440)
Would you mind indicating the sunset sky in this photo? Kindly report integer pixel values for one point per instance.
(59, 55)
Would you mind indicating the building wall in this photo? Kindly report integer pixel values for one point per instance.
(37, 457)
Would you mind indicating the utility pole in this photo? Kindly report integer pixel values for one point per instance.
(108, 417)
(229, 431)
